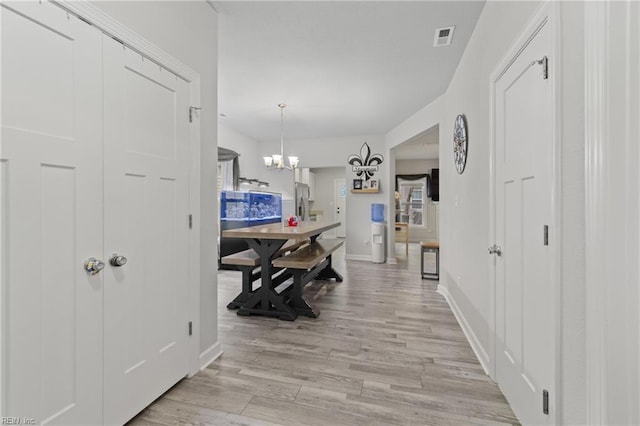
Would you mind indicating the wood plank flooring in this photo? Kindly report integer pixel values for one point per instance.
(386, 350)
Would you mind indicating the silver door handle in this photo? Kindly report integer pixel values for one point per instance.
(117, 260)
(495, 249)
(93, 265)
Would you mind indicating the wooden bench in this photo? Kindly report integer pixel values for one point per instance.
(308, 263)
(248, 261)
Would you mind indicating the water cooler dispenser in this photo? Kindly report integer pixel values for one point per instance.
(377, 233)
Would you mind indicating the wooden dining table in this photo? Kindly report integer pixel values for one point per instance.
(266, 241)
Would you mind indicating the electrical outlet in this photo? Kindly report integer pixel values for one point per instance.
(459, 280)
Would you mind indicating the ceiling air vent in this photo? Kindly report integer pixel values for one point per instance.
(443, 36)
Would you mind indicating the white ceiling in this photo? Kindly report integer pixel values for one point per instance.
(343, 68)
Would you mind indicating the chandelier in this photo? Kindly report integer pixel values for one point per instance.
(277, 160)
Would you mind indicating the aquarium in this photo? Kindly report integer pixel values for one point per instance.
(240, 209)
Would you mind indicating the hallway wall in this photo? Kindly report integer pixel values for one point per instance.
(464, 199)
(465, 203)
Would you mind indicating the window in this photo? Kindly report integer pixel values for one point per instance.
(410, 205)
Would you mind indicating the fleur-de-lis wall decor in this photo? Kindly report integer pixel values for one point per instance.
(365, 164)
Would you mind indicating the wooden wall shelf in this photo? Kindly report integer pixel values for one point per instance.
(365, 191)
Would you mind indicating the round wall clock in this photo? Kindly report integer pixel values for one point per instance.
(460, 143)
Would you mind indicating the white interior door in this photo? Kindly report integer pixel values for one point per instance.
(339, 206)
(146, 220)
(52, 205)
(524, 293)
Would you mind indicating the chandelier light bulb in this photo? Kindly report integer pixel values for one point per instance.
(277, 160)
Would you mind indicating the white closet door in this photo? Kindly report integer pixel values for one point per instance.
(524, 292)
(52, 206)
(146, 220)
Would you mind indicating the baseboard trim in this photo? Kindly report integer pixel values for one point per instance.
(477, 348)
(363, 257)
(392, 261)
(209, 355)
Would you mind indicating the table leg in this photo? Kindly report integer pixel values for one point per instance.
(328, 272)
(265, 300)
(298, 301)
(248, 277)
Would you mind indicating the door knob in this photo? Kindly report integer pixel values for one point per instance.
(93, 265)
(117, 260)
(495, 249)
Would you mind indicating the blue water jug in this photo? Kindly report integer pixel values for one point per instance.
(377, 212)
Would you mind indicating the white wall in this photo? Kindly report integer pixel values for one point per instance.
(410, 167)
(188, 31)
(464, 199)
(424, 119)
(250, 163)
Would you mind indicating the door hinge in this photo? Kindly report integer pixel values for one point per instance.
(190, 328)
(545, 401)
(190, 221)
(546, 235)
(545, 66)
(191, 111)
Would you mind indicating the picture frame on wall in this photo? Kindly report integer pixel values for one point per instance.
(373, 184)
(357, 184)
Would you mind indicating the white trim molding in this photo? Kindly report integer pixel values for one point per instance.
(612, 211)
(209, 355)
(480, 352)
(362, 257)
(128, 37)
(595, 129)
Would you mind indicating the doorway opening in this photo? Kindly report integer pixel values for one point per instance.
(417, 164)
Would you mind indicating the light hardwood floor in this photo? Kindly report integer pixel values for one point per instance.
(386, 350)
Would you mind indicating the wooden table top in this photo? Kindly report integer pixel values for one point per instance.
(278, 231)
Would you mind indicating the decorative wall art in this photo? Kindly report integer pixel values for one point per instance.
(366, 164)
(460, 143)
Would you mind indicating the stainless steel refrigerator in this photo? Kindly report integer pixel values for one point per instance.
(302, 201)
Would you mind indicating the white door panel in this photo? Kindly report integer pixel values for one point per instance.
(146, 220)
(52, 215)
(340, 205)
(524, 295)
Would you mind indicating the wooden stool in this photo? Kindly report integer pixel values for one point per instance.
(432, 247)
